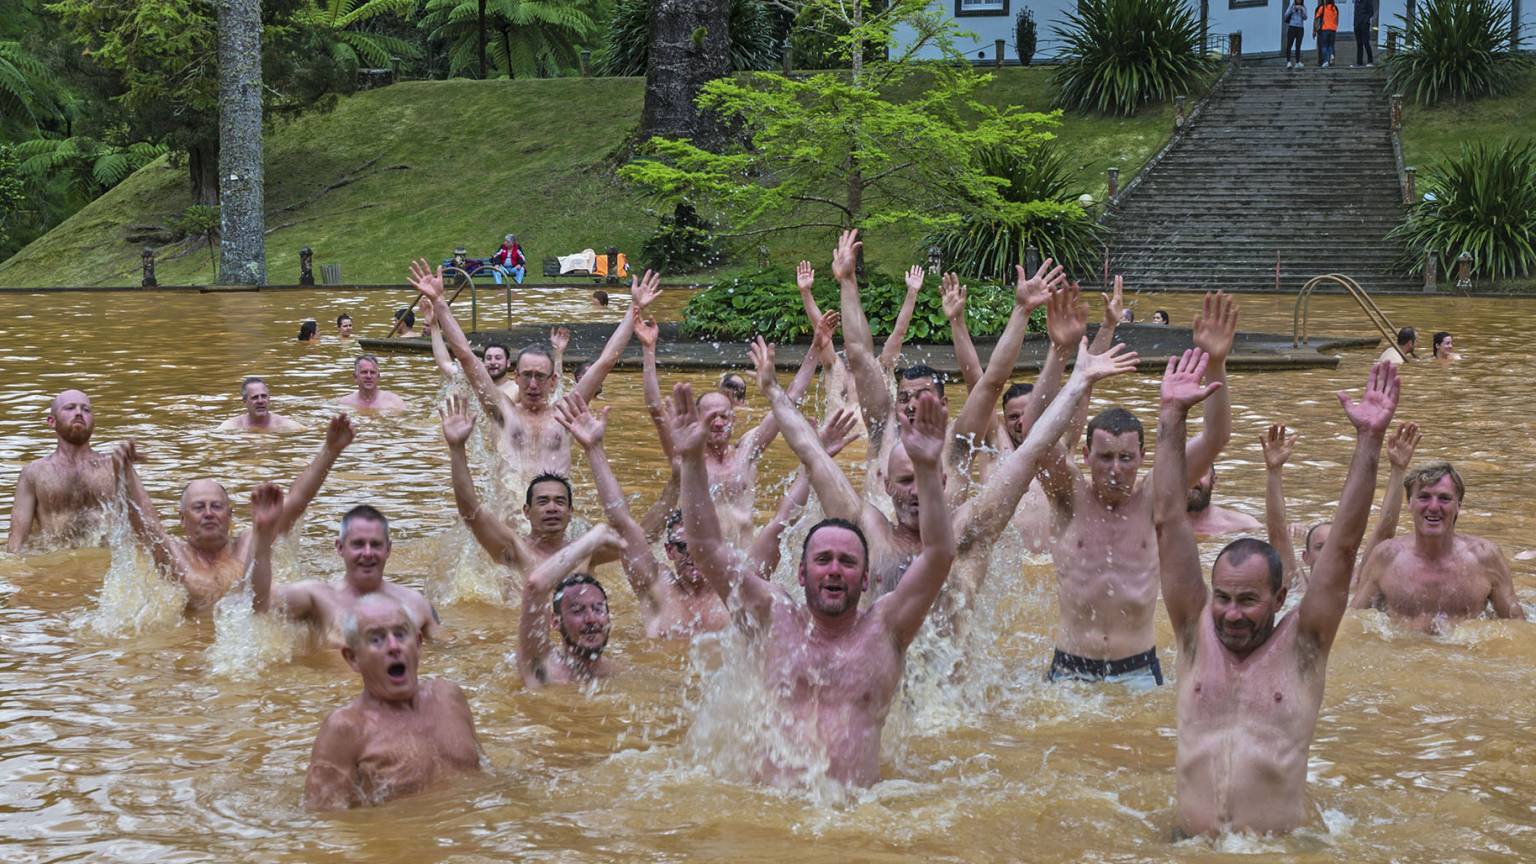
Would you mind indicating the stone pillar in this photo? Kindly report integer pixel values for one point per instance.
(586, 62)
(1431, 264)
(1396, 104)
(1114, 183)
(1464, 271)
(1410, 193)
(935, 259)
(1391, 41)
(1178, 111)
(1031, 260)
(306, 266)
(999, 45)
(149, 280)
(785, 58)
(1235, 46)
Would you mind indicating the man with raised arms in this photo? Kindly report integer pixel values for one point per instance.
(833, 668)
(675, 600)
(530, 438)
(1249, 687)
(401, 734)
(363, 544)
(63, 492)
(1213, 520)
(258, 416)
(560, 594)
(497, 360)
(1438, 576)
(368, 396)
(209, 561)
(1104, 549)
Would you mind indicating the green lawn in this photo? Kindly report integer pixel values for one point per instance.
(1431, 134)
(465, 162)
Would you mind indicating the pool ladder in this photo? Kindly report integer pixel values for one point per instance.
(463, 279)
(1299, 318)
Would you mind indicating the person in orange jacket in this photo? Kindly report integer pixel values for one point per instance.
(1326, 20)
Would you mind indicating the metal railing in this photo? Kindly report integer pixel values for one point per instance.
(462, 279)
(1300, 318)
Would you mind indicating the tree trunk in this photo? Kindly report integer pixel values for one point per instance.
(203, 172)
(242, 222)
(690, 46)
(480, 39)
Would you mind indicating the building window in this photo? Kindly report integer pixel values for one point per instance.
(965, 8)
(1247, 4)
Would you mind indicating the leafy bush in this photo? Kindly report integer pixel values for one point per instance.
(1025, 35)
(1456, 49)
(1484, 202)
(199, 220)
(1043, 212)
(683, 241)
(627, 41)
(767, 304)
(1121, 54)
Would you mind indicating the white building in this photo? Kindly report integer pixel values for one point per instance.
(1258, 20)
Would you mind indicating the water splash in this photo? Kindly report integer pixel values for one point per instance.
(135, 597)
(245, 643)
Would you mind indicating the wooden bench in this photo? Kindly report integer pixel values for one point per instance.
(552, 271)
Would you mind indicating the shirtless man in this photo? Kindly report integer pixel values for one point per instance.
(1437, 576)
(368, 397)
(497, 360)
(63, 491)
(1105, 550)
(401, 735)
(531, 440)
(209, 561)
(547, 504)
(363, 544)
(675, 600)
(1249, 687)
(1213, 520)
(833, 668)
(258, 417)
(558, 594)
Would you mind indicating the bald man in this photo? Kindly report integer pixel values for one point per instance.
(61, 494)
(209, 561)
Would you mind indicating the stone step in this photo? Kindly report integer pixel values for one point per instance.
(1174, 254)
(1225, 244)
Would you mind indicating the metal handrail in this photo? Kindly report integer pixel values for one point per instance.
(474, 299)
(1300, 317)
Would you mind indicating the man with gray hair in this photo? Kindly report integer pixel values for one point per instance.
(400, 735)
(210, 561)
(1437, 576)
(362, 543)
(63, 491)
(258, 416)
(368, 396)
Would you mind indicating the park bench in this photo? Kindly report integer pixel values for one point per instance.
(552, 270)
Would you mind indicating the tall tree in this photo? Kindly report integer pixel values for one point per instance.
(242, 221)
(690, 46)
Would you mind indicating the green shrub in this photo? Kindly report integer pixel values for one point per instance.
(1025, 35)
(767, 304)
(627, 39)
(1456, 49)
(1046, 216)
(1121, 54)
(683, 241)
(1483, 202)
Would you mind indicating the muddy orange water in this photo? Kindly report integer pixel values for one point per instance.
(128, 734)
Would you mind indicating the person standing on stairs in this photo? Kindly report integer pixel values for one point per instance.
(1365, 50)
(1327, 24)
(1295, 28)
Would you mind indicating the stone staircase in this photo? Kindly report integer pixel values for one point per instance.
(1295, 161)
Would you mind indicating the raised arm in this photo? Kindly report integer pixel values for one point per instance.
(533, 647)
(1502, 597)
(494, 536)
(898, 337)
(1066, 321)
(266, 517)
(763, 557)
(430, 284)
(587, 429)
(440, 354)
(903, 609)
(1400, 448)
(838, 496)
(1215, 326)
(869, 376)
(642, 291)
(648, 334)
(953, 295)
(760, 436)
(142, 516)
(338, 435)
(559, 340)
(1178, 557)
(1328, 590)
(1277, 524)
(805, 280)
(701, 524)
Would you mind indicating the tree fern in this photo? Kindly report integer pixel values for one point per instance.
(523, 37)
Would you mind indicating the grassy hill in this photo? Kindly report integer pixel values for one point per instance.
(439, 164)
(1432, 134)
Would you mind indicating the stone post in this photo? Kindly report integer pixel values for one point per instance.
(1410, 193)
(1397, 112)
(306, 266)
(999, 45)
(1114, 183)
(149, 268)
(1464, 271)
(1430, 266)
(1391, 41)
(1235, 46)
(586, 62)
(1178, 111)
(784, 56)
(935, 259)
(1031, 260)
(763, 258)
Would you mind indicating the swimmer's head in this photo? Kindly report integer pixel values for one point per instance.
(535, 368)
(901, 485)
(70, 417)
(600, 297)
(1434, 495)
(1015, 404)
(1113, 451)
(834, 567)
(1200, 493)
(257, 399)
(734, 387)
(912, 381)
(1127, 316)
(343, 325)
(363, 544)
(382, 643)
(677, 552)
(719, 412)
(1407, 338)
(1441, 344)
(580, 613)
(308, 330)
(547, 504)
(1160, 317)
(497, 360)
(205, 514)
(1247, 592)
(405, 313)
(365, 372)
(1316, 539)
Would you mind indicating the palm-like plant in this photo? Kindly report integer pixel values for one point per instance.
(1456, 49)
(1121, 54)
(26, 88)
(626, 46)
(89, 166)
(348, 22)
(1484, 203)
(526, 38)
